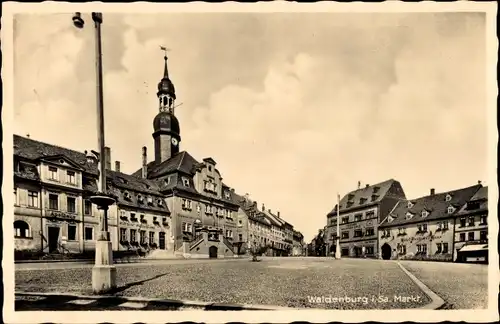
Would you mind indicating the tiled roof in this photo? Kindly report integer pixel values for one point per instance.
(180, 162)
(478, 203)
(30, 149)
(366, 196)
(435, 205)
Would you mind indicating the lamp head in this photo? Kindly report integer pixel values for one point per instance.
(77, 20)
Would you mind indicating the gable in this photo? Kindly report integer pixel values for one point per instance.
(62, 160)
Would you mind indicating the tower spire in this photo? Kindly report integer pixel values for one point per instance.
(165, 71)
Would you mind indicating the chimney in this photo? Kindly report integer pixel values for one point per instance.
(232, 189)
(367, 185)
(278, 214)
(433, 191)
(117, 166)
(263, 207)
(107, 158)
(144, 162)
(478, 182)
(359, 184)
(269, 211)
(247, 196)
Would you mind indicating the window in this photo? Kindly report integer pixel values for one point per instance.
(228, 195)
(71, 232)
(209, 168)
(151, 237)
(133, 235)
(438, 247)
(390, 219)
(451, 210)
(358, 233)
(240, 222)
(401, 231)
(471, 221)
(123, 234)
(208, 209)
(89, 233)
(369, 249)
(358, 217)
(70, 176)
(32, 198)
(370, 214)
(425, 213)
(444, 225)
(448, 197)
(484, 220)
(483, 235)
(189, 227)
(15, 196)
(471, 236)
(186, 204)
(445, 247)
(143, 237)
(345, 220)
(240, 237)
(88, 207)
(424, 227)
(410, 205)
(369, 232)
(150, 200)
(71, 201)
(53, 201)
(185, 181)
(345, 235)
(53, 173)
(344, 252)
(462, 237)
(409, 215)
(422, 248)
(462, 222)
(132, 217)
(21, 229)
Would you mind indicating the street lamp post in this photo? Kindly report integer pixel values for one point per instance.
(103, 272)
(337, 239)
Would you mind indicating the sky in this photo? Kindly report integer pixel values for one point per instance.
(293, 107)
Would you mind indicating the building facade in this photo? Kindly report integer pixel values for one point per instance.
(471, 229)
(423, 228)
(298, 248)
(361, 211)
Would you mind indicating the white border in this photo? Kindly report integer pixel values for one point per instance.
(10, 8)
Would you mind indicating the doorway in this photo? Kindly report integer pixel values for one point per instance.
(53, 239)
(212, 252)
(386, 251)
(162, 241)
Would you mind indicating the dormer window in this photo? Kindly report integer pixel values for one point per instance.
(140, 199)
(450, 210)
(410, 204)
(228, 195)
(409, 215)
(425, 213)
(374, 197)
(448, 197)
(350, 197)
(362, 201)
(126, 195)
(390, 219)
(209, 168)
(150, 200)
(160, 202)
(375, 189)
(185, 182)
(167, 180)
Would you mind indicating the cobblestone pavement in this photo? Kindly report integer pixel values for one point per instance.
(287, 282)
(462, 286)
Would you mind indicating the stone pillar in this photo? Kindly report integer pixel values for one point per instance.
(103, 272)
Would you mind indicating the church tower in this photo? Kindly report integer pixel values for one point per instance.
(166, 126)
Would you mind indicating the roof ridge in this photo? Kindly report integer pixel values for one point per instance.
(46, 143)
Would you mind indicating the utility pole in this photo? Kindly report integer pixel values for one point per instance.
(337, 239)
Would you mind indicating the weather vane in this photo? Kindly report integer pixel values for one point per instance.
(165, 50)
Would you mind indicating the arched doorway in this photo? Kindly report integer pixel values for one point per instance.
(386, 251)
(212, 252)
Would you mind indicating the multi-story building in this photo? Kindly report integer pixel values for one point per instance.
(361, 211)
(53, 214)
(471, 229)
(423, 228)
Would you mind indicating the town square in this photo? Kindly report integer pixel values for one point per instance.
(240, 161)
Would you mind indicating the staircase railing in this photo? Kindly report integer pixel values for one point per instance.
(228, 244)
(197, 240)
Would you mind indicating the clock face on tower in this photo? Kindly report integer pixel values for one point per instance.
(174, 141)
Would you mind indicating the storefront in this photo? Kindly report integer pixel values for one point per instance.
(473, 253)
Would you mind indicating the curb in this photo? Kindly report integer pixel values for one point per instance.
(159, 301)
(436, 301)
